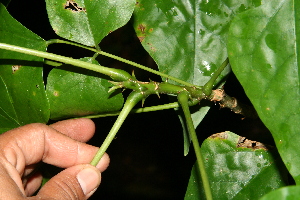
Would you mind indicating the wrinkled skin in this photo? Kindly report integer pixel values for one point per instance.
(61, 144)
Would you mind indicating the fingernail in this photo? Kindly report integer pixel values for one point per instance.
(89, 180)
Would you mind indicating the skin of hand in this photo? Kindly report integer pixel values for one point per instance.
(61, 144)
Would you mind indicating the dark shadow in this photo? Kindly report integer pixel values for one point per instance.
(21, 62)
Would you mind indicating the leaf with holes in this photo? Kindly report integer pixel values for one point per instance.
(75, 92)
(263, 48)
(88, 22)
(23, 99)
(187, 39)
(237, 168)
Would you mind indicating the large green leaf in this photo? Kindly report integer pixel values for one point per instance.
(88, 22)
(23, 99)
(237, 168)
(75, 92)
(263, 47)
(285, 193)
(187, 38)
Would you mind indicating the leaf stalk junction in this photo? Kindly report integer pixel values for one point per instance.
(187, 94)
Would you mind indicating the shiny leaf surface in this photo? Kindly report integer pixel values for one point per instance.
(88, 22)
(23, 99)
(75, 92)
(187, 39)
(285, 193)
(264, 53)
(237, 169)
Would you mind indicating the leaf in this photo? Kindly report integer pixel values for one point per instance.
(88, 22)
(237, 169)
(23, 99)
(187, 38)
(263, 47)
(75, 92)
(285, 193)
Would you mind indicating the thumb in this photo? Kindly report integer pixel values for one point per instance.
(77, 182)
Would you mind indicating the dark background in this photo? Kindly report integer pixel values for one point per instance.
(147, 159)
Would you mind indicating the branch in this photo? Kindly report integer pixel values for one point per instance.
(115, 74)
(131, 101)
(183, 100)
(233, 104)
(57, 41)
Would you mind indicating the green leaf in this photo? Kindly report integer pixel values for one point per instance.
(88, 22)
(187, 39)
(263, 47)
(23, 99)
(285, 193)
(75, 92)
(237, 169)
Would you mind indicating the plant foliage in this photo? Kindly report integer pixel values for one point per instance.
(263, 52)
(188, 40)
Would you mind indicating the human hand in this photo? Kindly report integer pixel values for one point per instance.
(24, 147)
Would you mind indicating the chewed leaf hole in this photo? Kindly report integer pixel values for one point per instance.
(222, 135)
(15, 68)
(243, 142)
(72, 5)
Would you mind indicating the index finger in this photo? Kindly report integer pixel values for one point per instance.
(33, 143)
(79, 129)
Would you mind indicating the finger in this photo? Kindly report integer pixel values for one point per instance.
(103, 163)
(35, 142)
(79, 129)
(33, 183)
(28, 145)
(12, 183)
(77, 182)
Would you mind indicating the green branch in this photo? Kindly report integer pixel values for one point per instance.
(207, 88)
(115, 74)
(122, 60)
(131, 101)
(233, 104)
(52, 63)
(143, 110)
(153, 87)
(183, 100)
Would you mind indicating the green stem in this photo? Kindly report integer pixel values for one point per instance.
(52, 63)
(143, 110)
(146, 69)
(158, 88)
(131, 101)
(138, 110)
(207, 88)
(183, 100)
(115, 74)
(122, 60)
